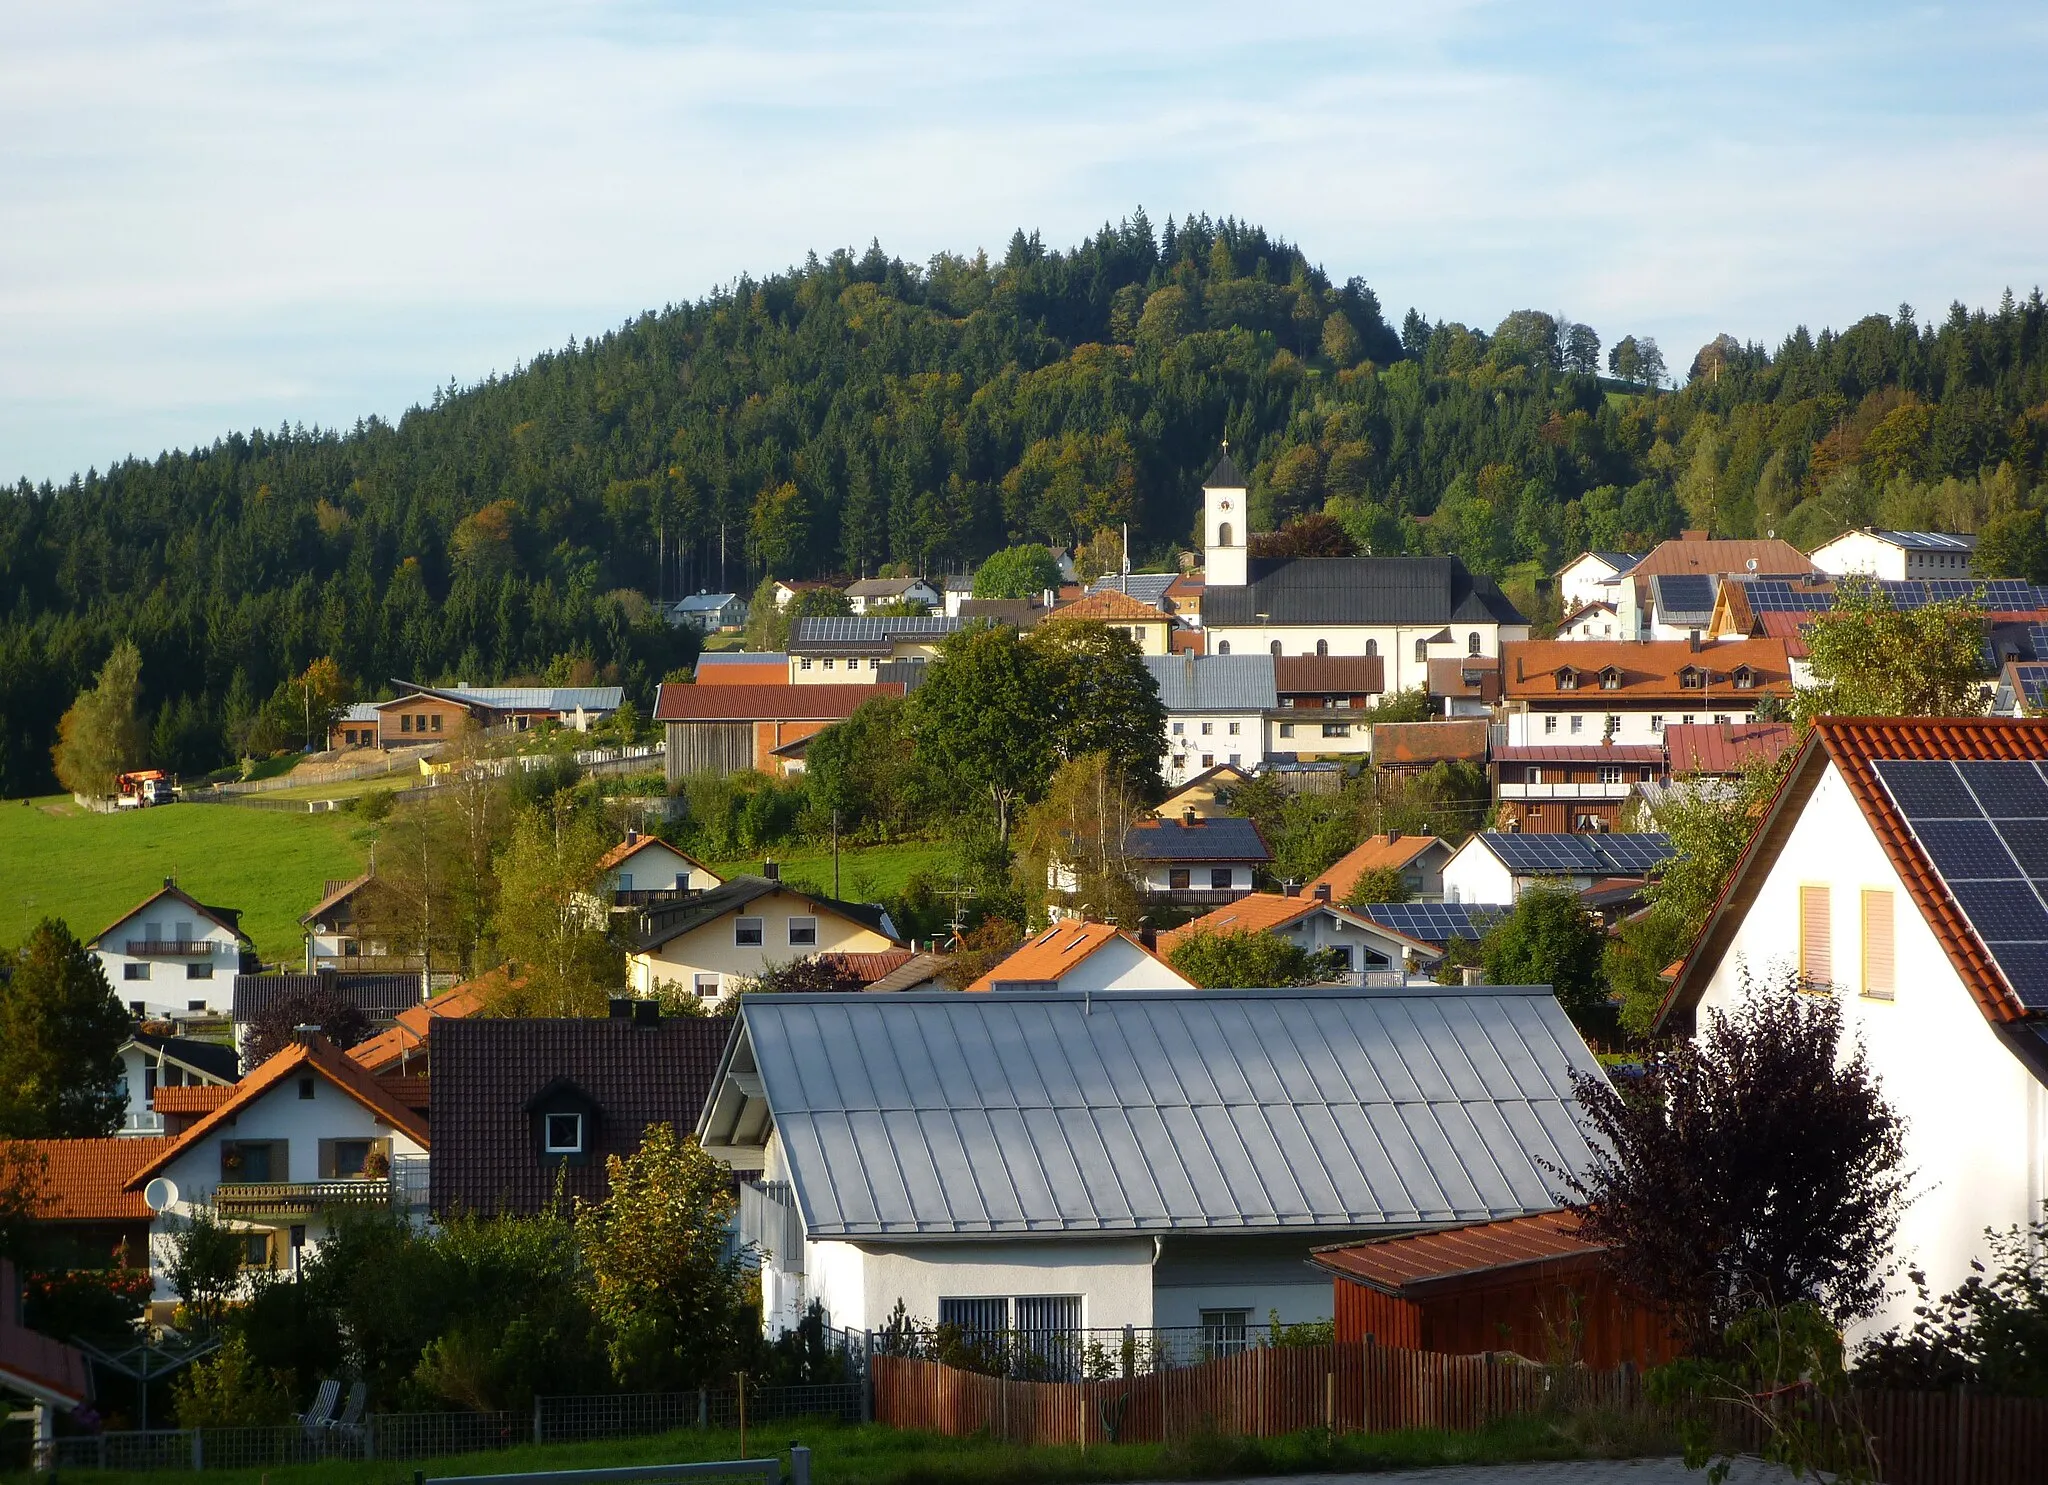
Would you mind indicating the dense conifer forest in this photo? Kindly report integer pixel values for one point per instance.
(860, 412)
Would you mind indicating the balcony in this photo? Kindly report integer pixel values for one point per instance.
(1619, 790)
(770, 1222)
(145, 1122)
(1205, 897)
(404, 1188)
(171, 948)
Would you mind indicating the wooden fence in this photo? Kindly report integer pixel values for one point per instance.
(1360, 1387)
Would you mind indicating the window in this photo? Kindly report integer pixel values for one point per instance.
(1208, 760)
(1721, 719)
(828, 664)
(1225, 1332)
(1223, 647)
(1219, 879)
(185, 933)
(977, 1317)
(804, 664)
(624, 881)
(1273, 649)
(199, 971)
(1179, 728)
(1223, 535)
(1231, 728)
(1421, 651)
(134, 971)
(257, 1162)
(803, 933)
(1549, 724)
(437, 722)
(707, 985)
(1816, 957)
(1287, 729)
(1372, 649)
(1567, 680)
(1686, 720)
(1577, 724)
(875, 663)
(562, 1134)
(1610, 773)
(1177, 879)
(746, 933)
(1208, 728)
(1610, 679)
(1691, 679)
(1472, 643)
(347, 1160)
(305, 1090)
(195, 1005)
(1878, 960)
(1322, 647)
(1336, 729)
(1656, 721)
(1236, 759)
(256, 1249)
(1745, 678)
(1613, 724)
(405, 722)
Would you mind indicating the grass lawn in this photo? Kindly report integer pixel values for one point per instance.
(86, 868)
(865, 873)
(872, 1455)
(398, 778)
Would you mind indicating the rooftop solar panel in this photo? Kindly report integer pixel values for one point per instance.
(1435, 922)
(2007, 791)
(1635, 852)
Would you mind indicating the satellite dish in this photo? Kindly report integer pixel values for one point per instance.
(161, 1194)
(1750, 564)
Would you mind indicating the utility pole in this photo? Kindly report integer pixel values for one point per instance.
(835, 855)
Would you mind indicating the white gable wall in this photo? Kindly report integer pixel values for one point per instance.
(1475, 874)
(166, 982)
(1977, 1120)
(1120, 965)
(656, 867)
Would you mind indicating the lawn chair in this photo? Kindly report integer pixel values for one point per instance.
(350, 1424)
(321, 1413)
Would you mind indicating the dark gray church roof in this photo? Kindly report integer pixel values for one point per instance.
(1359, 590)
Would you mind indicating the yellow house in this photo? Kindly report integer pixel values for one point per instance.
(737, 930)
(1146, 625)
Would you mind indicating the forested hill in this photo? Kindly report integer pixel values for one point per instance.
(860, 411)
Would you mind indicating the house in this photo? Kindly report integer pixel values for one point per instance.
(1466, 686)
(334, 940)
(1205, 793)
(1419, 858)
(1194, 861)
(1216, 708)
(1897, 554)
(1149, 588)
(1406, 610)
(1076, 956)
(405, 1047)
(1704, 750)
(1566, 786)
(786, 589)
(356, 727)
(1600, 619)
(1060, 1162)
(50, 1374)
(742, 668)
(1437, 924)
(1406, 748)
(87, 1213)
(1311, 921)
(1529, 1285)
(171, 954)
(1593, 577)
(1900, 863)
(710, 613)
(1706, 560)
(151, 1060)
(1322, 700)
(1147, 626)
(434, 714)
(1497, 867)
(732, 729)
(1183, 599)
(872, 592)
(644, 868)
(306, 1134)
(528, 1111)
(2022, 689)
(955, 588)
(704, 946)
(1628, 691)
(837, 650)
(380, 997)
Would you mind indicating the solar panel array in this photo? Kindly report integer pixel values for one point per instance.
(1580, 855)
(1984, 826)
(2032, 679)
(841, 629)
(2000, 595)
(1436, 922)
(1685, 592)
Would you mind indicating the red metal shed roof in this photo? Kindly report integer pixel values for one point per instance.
(1404, 1266)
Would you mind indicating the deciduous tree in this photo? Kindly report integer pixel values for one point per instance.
(549, 922)
(1017, 572)
(1550, 939)
(1070, 845)
(979, 722)
(1872, 659)
(1246, 960)
(101, 737)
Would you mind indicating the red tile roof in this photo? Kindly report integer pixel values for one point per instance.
(1645, 670)
(1706, 747)
(1371, 855)
(1853, 745)
(1112, 606)
(413, 1025)
(755, 673)
(1429, 742)
(868, 968)
(1710, 555)
(1336, 675)
(317, 1056)
(783, 703)
(86, 1180)
(1408, 1266)
(190, 1099)
(627, 849)
(1056, 951)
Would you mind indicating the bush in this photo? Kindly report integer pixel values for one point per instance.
(230, 1390)
(1250, 960)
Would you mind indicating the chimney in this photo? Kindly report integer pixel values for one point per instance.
(1692, 536)
(1392, 836)
(621, 1007)
(1147, 934)
(632, 836)
(1188, 817)
(647, 1013)
(1322, 891)
(170, 881)
(772, 870)
(1692, 637)
(1290, 888)
(1473, 975)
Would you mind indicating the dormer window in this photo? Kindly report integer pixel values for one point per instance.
(1567, 679)
(1744, 678)
(563, 1134)
(565, 1123)
(1692, 678)
(1610, 679)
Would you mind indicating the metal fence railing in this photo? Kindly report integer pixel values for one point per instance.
(1045, 1353)
(558, 1420)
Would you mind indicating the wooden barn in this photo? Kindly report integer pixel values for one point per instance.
(1530, 1285)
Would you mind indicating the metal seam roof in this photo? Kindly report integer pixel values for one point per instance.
(922, 1115)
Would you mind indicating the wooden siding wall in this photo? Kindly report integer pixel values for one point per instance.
(709, 747)
(1578, 1315)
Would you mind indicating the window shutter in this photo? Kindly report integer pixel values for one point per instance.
(1816, 959)
(1878, 975)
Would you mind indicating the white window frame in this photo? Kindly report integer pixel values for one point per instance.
(547, 1136)
(740, 929)
(807, 927)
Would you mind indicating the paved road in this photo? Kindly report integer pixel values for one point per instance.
(1573, 1472)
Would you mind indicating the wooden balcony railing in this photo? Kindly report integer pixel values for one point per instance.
(170, 948)
(262, 1197)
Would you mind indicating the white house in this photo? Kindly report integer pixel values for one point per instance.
(1197, 860)
(150, 1062)
(1061, 1163)
(1406, 610)
(1593, 577)
(710, 612)
(1897, 555)
(1078, 956)
(1901, 864)
(1600, 619)
(1311, 921)
(647, 863)
(172, 955)
(869, 592)
(707, 943)
(1216, 708)
(1498, 867)
(307, 1133)
(1629, 691)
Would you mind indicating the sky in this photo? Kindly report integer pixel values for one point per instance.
(217, 216)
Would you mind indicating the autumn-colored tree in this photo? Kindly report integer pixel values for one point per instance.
(101, 737)
(668, 1298)
(1340, 341)
(1070, 845)
(548, 922)
(484, 542)
(979, 950)
(1101, 555)
(1871, 658)
(775, 532)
